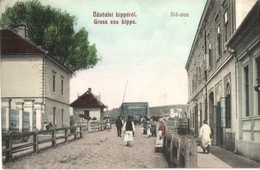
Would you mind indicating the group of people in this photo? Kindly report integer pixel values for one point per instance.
(128, 127)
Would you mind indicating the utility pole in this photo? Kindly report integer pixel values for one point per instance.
(125, 92)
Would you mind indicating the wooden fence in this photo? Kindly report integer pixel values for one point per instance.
(180, 150)
(97, 126)
(10, 149)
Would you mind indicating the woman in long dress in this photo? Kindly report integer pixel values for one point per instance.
(129, 129)
(159, 137)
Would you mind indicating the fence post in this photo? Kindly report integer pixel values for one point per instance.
(193, 154)
(190, 153)
(89, 127)
(35, 142)
(81, 131)
(66, 135)
(76, 132)
(54, 137)
(9, 153)
(171, 150)
(187, 153)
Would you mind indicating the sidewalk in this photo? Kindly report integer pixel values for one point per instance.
(222, 158)
(209, 160)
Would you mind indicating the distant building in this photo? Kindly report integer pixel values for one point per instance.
(88, 105)
(34, 86)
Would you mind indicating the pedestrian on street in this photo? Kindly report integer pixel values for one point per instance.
(108, 124)
(145, 123)
(160, 135)
(129, 130)
(119, 125)
(204, 135)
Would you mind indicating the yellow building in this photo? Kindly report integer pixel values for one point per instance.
(34, 86)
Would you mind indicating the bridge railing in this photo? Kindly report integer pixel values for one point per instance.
(179, 150)
(48, 138)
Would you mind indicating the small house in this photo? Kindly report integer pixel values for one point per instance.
(86, 107)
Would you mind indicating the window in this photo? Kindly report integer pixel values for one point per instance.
(198, 70)
(226, 25)
(14, 120)
(219, 41)
(246, 76)
(228, 106)
(53, 82)
(54, 115)
(206, 110)
(192, 86)
(62, 114)
(210, 55)
(3, 118)
(26, 121)
(61, 83)
(195, 81)
(258, 81)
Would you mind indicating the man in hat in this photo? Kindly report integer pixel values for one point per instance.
(119, 126)
(204, 135)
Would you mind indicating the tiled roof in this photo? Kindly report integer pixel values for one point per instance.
(11, 43)
(87, 100)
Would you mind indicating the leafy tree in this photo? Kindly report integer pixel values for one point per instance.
(53, 29)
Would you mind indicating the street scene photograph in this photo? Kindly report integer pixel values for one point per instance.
(112, 84)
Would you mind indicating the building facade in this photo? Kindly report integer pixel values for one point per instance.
(214, 65)
(245, 44)
(211, 74)
(87, 106)
(34, 86)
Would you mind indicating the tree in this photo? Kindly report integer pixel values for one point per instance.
(53, 29)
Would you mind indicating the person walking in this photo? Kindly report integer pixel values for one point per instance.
(119, 125)
(129, 130)
(145, 125)
(159, 137)
(204, 135)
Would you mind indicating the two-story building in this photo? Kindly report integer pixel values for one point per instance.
(34, 85)
(245, 44)
(211, 74)
(219, 81)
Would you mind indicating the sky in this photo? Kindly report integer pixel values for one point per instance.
(141, 62)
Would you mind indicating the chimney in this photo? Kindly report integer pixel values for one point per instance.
(89, 90)
(21, 30)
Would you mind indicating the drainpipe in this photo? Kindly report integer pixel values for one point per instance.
(43, 89)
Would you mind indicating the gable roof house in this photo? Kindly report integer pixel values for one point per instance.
(88, 105)
(34, 85)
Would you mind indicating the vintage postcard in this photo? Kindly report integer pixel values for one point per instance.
(130, 84)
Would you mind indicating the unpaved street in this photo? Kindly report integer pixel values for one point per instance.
(96, 150)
